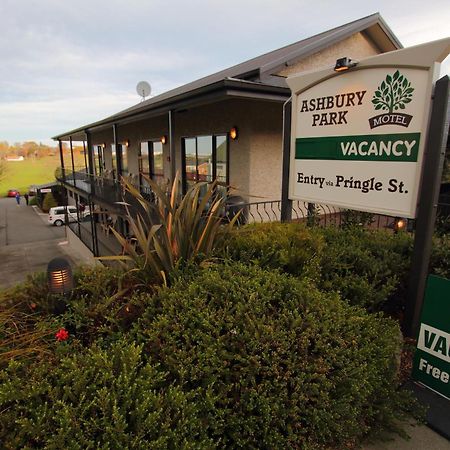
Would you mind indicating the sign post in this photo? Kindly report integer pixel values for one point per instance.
(428, 199)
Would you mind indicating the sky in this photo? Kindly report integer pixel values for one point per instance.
(65, 63)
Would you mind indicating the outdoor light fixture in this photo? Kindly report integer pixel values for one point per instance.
(104, 145)
(127, 142)
(234, 133)
(163, 139)
(399, 224)
(59, 276)
(343, 64)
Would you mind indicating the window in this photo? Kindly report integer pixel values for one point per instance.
(114, 161)
(151, 161)
(123, 159)
(205, 158)
(99, 160)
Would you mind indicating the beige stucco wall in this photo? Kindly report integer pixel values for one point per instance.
(356, 47)
(219, 118)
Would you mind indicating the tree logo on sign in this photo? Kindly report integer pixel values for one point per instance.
(394, 93)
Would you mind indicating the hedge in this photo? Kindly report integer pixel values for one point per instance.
(100, 398)
(274, 362)
(369, 268)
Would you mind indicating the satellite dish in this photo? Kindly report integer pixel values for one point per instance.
(143, 89)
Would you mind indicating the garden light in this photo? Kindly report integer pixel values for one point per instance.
(399, 224)
(59, 276)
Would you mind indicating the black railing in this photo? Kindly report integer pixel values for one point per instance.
(317, 214)
(104, 188)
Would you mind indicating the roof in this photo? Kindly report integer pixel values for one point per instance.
(256, 73)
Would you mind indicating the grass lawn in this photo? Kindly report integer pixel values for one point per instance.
(21, 174)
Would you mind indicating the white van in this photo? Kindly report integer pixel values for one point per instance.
(57, 215)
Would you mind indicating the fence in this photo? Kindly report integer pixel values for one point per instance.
(317, 214)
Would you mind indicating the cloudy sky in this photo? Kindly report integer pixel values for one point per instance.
(68, 63)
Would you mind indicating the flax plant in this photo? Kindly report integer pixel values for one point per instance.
(172, 228)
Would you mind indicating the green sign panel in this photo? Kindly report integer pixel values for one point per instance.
(432, 359)
(400, 147)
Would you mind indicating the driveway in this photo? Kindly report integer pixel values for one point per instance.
(27, 242)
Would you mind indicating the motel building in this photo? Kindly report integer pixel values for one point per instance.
(226, 126)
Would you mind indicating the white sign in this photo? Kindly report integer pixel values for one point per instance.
(358, 137)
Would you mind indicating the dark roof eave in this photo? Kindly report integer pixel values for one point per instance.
(228, 87)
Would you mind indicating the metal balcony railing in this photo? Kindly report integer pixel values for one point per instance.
(104, 188)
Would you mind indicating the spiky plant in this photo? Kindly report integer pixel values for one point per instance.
(173, 228)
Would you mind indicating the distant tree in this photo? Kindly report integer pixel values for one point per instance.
(49, 202)
(29, 148)
(2, 169)
(4, 148)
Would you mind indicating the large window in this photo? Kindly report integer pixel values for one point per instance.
(151, 161)
(205, 158)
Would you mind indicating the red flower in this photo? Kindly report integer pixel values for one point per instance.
(62, 335)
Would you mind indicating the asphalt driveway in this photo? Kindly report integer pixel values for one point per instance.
(27, 242)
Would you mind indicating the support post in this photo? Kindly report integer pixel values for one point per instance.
(427, 205)
(72, 160)
(172, 148)
(61, 158)
(286, 204)
(90, 155)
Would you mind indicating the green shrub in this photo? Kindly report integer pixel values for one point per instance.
(32, 201)
(368, 268)
(49, 202)
(103, 398)
(292, 247)
(104, 303)
(274, 362)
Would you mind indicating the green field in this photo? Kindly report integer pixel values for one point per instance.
(21, 174)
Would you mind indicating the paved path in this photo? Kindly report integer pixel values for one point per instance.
(422, 438)
(27, 242)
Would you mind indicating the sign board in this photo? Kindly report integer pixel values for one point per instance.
(431, 365)
(358, 136)
(45, 190)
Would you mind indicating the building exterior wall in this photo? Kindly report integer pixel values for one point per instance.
(150, 129)
(357, 46)
(219, 118)
(255, 158)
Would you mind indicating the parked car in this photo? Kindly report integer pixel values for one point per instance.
(12, 192)
(57, 215)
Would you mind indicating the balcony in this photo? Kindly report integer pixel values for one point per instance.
(103, 189)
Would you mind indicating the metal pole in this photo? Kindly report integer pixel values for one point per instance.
(73, 163)
(85, 157)
(286, 204)
(90, 151)
(171, 148)
(427, 206)
(61, 158)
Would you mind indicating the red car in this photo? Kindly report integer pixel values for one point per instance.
(12, 193)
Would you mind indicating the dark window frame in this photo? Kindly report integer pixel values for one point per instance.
(151, 159)
(214, 156)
